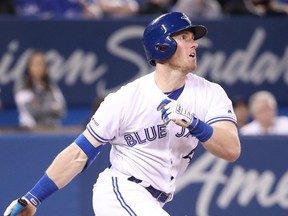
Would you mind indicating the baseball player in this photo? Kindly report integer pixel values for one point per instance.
(154, 125)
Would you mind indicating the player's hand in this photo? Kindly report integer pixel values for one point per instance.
(173, 111)
(20, 207)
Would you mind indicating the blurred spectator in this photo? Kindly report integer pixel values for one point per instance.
(265, 8)
(39, 101)
(7, 7)
(253, 7)
(155, 6)
(280, 5)
(241, 110)
(111, 8)
(124, 8)
(49, 8)
(263, 109)
(235, 7)
(199, 8)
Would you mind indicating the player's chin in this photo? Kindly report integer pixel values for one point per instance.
(192, 64)
(192, 68)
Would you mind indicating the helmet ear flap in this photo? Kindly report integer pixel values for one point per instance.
(161, 47)
(165, 49)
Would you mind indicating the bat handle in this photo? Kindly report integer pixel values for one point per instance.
(18, 207)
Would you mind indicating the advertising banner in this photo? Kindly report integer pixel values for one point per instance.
(256, 184)
(90, 58)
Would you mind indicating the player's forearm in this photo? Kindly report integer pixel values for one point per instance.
(67, 165)
(63, 169)
(224, 144)
(71, 161)
(74, 159)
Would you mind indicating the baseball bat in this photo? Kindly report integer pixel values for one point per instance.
(21, 203)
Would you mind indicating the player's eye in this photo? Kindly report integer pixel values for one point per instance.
(186, 37)
(183, 37)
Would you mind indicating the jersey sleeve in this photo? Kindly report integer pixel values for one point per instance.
(219, 106)
(105, 123)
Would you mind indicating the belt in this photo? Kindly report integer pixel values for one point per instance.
(157, 194)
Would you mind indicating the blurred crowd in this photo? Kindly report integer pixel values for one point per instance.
(123, 8)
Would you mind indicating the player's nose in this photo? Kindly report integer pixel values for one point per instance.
(194, 44)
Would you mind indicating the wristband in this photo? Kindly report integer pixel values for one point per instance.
(43, 189)
(200, 130)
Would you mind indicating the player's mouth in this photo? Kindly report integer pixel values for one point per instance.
(192, 55)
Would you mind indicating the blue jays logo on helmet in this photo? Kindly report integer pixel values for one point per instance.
(186, 18)
(157, 41)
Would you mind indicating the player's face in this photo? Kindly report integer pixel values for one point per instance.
(184, 59)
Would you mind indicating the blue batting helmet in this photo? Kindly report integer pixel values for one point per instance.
(157, 41)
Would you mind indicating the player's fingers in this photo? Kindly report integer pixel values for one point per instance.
(163, 104)
(165, 116)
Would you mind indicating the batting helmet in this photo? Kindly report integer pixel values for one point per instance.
(157, 41)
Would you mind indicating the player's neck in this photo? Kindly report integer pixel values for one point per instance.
(168, 81)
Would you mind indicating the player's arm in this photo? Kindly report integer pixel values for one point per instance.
(224, 142)
(221, 139)
(68, 163)
(74, 159)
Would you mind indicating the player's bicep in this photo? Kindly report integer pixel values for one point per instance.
(227, 125)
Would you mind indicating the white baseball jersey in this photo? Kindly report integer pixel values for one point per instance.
(142, 146)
